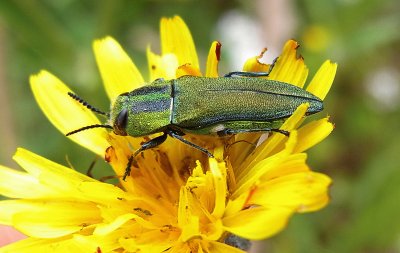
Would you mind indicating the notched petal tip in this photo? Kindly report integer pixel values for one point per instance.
(292, 44)
(218, 46)
(214, 56)
(254, 65)
(290, 67)
(42, 78)
(187, 70)
(107, 39)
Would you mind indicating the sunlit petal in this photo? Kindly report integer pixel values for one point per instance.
(217, 247)
(16, 184)
(214, 56)
(313, 133)
(117, 70)
(176, 39)
(298, 191)
(164, 66)
(322, 81)
(67, 114)
(257, 223)
(187, 70)
(253, 64)
(175, 197)
(289, 67)
(41, 218)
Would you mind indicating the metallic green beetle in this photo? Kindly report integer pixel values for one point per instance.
(206, 106)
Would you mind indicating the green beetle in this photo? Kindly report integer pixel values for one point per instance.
(206, 106)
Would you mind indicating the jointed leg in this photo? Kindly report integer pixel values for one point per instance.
(178, 136)
(253, 74)
(157, 141)
(237, 131)
(147, 145)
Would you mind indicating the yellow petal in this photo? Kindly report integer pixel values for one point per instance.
(218, 247)
(106, 228)
(252, 174)
(246, 181)
(50, 219)
(296, 119)
(117, 70)
(187, 70)
(289, 67)
(92, 243)
(67, 114)
(111, 194)
(241, 147)
(257, 223)
(37, 165)
(66, 244)
(294, 163)
(219, 178)
(186, 220)
(275, 142)
(234, 205)
(254, 65)
(214, 56)
(323, 79)
(16, 184)
(60, 181)
(313, 133)
(181, 247)
(151, 241)
(29, 245)
(299, 191)
(162, 66)
(9, 207)
(176, 39)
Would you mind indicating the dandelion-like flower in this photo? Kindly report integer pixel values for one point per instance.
(178, 199)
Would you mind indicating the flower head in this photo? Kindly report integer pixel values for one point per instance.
(177, 199)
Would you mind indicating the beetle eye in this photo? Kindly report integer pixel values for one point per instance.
(120, 122)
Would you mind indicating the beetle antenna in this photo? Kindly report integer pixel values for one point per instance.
(88, 127)
(90, 107)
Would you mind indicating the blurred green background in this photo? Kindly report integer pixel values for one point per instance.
(362, 155)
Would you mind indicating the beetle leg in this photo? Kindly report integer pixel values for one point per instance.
(128, 167)
(159, 80)
(237, 131)
(253, 74)
(246, 74)
(271, 67)
(147, 145)
(284, 132)
(178, 135)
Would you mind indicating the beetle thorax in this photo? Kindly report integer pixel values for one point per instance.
(141, 112)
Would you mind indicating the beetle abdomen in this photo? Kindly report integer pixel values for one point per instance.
(201, 102)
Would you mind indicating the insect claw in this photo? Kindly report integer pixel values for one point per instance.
(284, 132)
(131, 160)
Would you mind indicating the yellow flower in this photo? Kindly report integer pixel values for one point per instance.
(178, 200)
